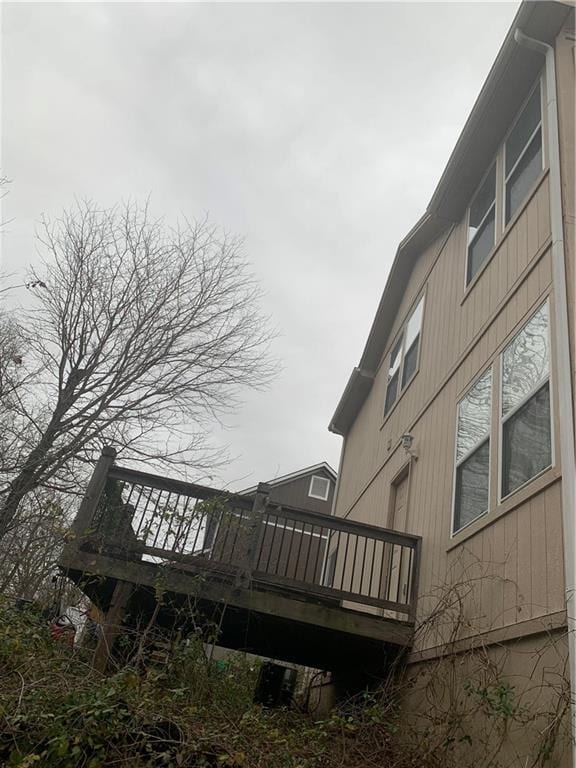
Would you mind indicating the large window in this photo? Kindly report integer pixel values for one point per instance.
(526, 422)
(525, 446)
(481, 224)
(471, 494)
(523, 154)
(403, 360)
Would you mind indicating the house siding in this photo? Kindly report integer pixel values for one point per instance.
(512, 557)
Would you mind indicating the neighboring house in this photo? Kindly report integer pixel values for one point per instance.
(290, 550)
(311, 488)
(458, 420)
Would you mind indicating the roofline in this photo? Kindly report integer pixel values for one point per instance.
(293, 475)
(538, 19)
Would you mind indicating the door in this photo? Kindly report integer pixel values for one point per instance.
(399, 558)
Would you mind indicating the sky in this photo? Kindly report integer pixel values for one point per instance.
(316, 131)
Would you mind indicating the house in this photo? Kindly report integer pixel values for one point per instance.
(311, 488)
(282, 544)
(458, 420)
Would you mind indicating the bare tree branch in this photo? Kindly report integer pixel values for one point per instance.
(142, 334)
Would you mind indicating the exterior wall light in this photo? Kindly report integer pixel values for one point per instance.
(407, 441)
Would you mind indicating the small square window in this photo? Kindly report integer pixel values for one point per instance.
(319, 488)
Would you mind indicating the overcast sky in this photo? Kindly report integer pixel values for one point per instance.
(316, 131)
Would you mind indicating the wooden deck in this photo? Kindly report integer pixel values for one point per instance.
(279, 582)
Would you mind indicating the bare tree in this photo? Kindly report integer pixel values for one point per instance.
(143, 333)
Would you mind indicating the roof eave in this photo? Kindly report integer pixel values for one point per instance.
(512, 74)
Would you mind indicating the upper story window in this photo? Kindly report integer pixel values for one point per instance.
(471, 494)
(523, 154)
(506, 185)
(482, 224)
(525, 416)
(403, 361)
(319, 487)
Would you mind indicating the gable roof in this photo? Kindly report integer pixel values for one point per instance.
(508, 82)
(295, 476)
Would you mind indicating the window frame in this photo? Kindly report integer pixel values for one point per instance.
(401, 336)
(503, 418)
(314, 495)
(494, 164)
(540, 127)
(458, 462)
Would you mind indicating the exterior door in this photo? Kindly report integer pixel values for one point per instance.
(399, 557)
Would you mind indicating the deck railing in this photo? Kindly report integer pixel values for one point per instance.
(249, 540)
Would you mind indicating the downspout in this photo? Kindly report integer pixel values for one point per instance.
(564, 377)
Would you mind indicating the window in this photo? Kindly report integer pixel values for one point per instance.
(471, 497)
(506, 185)
(481, 224)
(525, 418)
(404, 357)
(526, 422)
(523, 155)
(319, 487)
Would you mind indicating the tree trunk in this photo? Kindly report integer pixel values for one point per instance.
(35, 464)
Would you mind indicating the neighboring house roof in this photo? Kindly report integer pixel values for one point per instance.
(508, 82)
(295, 475)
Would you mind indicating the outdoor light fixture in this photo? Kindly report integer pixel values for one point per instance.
(407, 442)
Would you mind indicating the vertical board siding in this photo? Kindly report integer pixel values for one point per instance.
(511, 569)
(565, 68)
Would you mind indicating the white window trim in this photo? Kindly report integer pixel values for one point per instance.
(315, 495)
(479, 444)
(403, 350)
(494, 206)
(536, 388)
(540, 126)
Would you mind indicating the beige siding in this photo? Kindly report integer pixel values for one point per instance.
(566, 70)
(512, 566)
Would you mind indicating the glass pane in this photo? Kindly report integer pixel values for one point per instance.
(410, 360)
(474, 415)
(482, 245)
(523, 129)
(527, 442)
(472, 487)
(415, 323)
(482, 201)
(391, 392)
(395, 359)
(524, 176)
(525, 362)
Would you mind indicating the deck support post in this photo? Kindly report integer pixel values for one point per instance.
(112, 626)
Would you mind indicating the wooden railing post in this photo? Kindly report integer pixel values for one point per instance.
(415, 577)
(254, 534)
(83, 520)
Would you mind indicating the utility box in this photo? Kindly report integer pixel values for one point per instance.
(275, 686)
